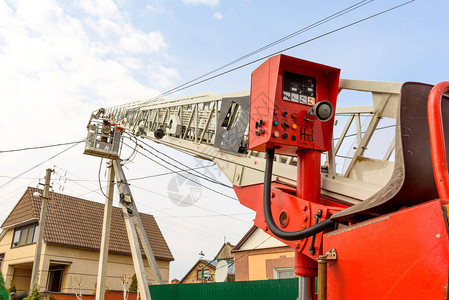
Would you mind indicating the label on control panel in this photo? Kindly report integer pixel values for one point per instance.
(299, 88)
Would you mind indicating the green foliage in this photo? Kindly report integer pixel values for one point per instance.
(3, 291)
(12, 287)
(52, 298)
(34, 295)
(133, 285)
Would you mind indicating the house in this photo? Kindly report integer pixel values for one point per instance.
(204, 270)
(259, 256)
(71, 245)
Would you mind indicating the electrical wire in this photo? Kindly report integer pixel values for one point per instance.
(243, 256)
(167, 162)
(168, 173)
(131, 179)
(291, 47)
(289, 36)
(179, 173)
(134, 153)
(199, 174)
(39, 164)
(40, 147)
(197, 206)
(203, 216)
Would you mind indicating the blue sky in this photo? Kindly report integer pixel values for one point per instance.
(60, 61)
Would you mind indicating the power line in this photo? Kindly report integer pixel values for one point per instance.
(168, 173)
(40, 147)
(286, 49)
(200, 175)
(257, 246)
(194, 205)
(177, 172)
(204, 216)
(24, 172)
(289, 36)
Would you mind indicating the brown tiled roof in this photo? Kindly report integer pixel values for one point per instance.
(77, 222)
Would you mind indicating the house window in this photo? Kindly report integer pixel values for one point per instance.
(55, 274)
(25, 235)
(206, 274)
(281, 273)
(2, 257)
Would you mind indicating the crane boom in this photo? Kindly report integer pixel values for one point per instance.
(199, 125)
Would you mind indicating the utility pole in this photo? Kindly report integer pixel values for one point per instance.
(40, 234)
(103, 261)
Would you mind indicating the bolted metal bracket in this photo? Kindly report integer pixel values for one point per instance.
(331, 255)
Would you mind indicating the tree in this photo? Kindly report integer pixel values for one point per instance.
(12, 287)
(133, 285)
(3, 291)
(34, 295)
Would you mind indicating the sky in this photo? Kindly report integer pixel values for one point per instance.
(61, 60)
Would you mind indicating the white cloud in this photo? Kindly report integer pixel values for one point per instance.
(60, 63)
(153, 9)
(162, 76)
(217, 15)
(204, 2)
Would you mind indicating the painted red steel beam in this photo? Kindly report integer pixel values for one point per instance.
(437, 143)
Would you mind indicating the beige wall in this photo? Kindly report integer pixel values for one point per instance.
(260, 264)
(81, 265)
(193, 276)
(22, 257)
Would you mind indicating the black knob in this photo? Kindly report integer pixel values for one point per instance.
(284, 136)
(285, 113)
(286, 125)
(293, 138)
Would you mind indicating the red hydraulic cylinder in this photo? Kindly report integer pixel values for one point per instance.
(305, 266)
(308, 186)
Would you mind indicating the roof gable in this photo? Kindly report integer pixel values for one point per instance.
(256, 238)
(225, 251)
(76, 222)
(26, 209)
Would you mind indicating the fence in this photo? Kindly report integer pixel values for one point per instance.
(245, 290)
(260, 290)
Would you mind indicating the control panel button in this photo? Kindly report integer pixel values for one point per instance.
(293, 138)
(294, 126)
(285, 113)
(276, 134)
(294, 115)
(286, 125)
(285, 136)
(276, 123)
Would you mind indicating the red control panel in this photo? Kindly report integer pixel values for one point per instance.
(292, 105)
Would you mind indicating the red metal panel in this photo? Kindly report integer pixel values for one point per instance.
(403, 255)
(283, 117)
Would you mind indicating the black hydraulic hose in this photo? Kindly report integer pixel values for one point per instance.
(285, 235)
